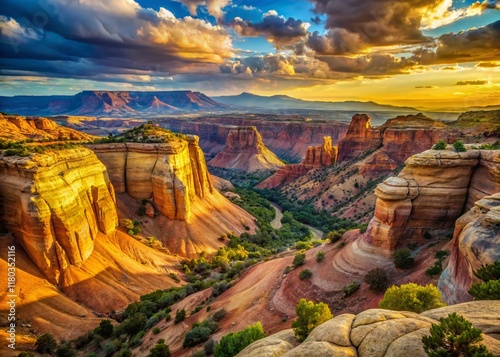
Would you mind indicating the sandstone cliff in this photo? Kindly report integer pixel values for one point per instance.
(14, 127)
(245, 151)
(55, 204)
(475, 243)
(316, 157)
(377, 333)
(430, 194)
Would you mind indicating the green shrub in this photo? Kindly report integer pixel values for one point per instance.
(334, 237)
(320, 256)
(156, 330)
(298, 260)
(441, 254)
(309, 315)
(351, 288)
(303, 245)
(231, 344)
(65, 350)
(458, 146)
(440, 145)
(125, 352)
(109, 349)
(219, 287)
(46, 343)
(435, 269)
(412, 297)
(141, 211)
(180, 315)
(209, 347)
(454, 336)
(105, 329)
(489, 290)
(305, 274)
(377, 280)
(26, 354)
(402, 259)
(196, 336)
(219, 315)
(489, 272)
(159, 350)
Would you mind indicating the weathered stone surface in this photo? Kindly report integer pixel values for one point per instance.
(383, 333)
(272, 346)
(360, 137)
(245, 151)
(150, 210)
(430, 193)
(475, 243)
(322, 155)
(335, 331)
(54, 204)
(172, 174)
(220, 184)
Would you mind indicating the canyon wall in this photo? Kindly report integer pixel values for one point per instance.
(475, 243)
(55, 204)
(287, 139)
(316, 157)
(245, 151)
(173, 174)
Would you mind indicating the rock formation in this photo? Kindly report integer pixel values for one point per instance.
(475, 243)
(316, 157)
(377, 333)
(431, 193)
(245, 151)
(360, 137)
(14, 127)
(173, 174)
(55, 204)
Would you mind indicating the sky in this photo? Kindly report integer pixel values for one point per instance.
(429, 54)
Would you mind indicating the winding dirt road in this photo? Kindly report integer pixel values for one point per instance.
(276, 223)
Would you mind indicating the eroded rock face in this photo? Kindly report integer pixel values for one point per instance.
(475, 243)
(316, 157)
(431, 193)
(360, 137)
(245, 151)
(173, 174)
(54, 204)
(378, 333)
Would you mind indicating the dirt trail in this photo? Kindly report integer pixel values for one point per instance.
(276, 223)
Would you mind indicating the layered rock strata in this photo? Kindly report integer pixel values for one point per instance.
(245, 151)
(475, 243)
(377, 333)
(55, 204)
(316, 157)
(173, 174)
(431, 193)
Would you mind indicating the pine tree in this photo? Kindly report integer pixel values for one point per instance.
(454, 336)
(489, 289)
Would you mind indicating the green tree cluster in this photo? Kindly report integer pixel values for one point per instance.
(489, 289)
(309, 315)
(231, 344)
(412, 297)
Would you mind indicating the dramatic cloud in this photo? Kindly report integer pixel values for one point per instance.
(357, 24)
(273, 27)
(488, 65)
(472, 83)
(94, 38)
(426, 87)
(214, 6)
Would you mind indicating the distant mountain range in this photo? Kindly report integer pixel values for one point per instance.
(109, 103)
(131, 104)
(285, 102)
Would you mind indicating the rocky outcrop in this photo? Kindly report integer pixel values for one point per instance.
(430, 194)
(475, 243)
(14, 127)
(316, 157)
(55, 204)
(173, 174)
(378, 333)
(322, 155)
(245, 151)
(360, 138)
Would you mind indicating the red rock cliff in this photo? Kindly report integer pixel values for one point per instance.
(245, 151)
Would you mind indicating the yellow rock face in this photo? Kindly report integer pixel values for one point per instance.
(173, 174)
(54, 204)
